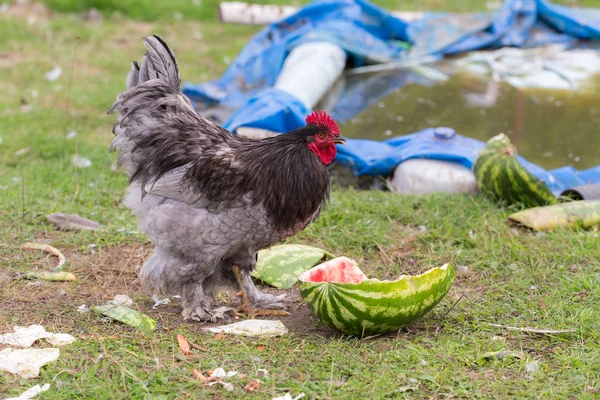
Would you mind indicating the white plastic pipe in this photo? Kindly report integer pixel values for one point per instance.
(237, 12)
(310, 70)
(308, 73)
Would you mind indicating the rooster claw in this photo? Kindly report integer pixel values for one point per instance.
(266, 300)
(224, 313)
(201, 314)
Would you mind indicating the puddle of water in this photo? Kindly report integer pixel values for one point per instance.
(549, 128)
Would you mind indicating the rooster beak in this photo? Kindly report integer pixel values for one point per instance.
(339, 140)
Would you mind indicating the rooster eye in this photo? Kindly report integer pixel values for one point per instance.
(321, 135)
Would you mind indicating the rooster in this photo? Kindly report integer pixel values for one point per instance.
(207, 198)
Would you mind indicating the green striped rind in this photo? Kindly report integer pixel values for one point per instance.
(500, 175)
(280, 266)
(376, 307)
(127, 316)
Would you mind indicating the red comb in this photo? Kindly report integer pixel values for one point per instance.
(323, 119)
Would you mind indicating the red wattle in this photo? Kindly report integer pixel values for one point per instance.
(326, 152)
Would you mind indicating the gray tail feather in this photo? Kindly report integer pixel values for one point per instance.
(158, 63)
(143, 90)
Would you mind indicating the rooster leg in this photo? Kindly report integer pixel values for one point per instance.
(165, 273)
(246, 307)
(249, 291)
(196, 305)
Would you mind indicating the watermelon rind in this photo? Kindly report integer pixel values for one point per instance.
(373, 306)
(127, 316)
(577, 214)
(280, 266)
(501, 176)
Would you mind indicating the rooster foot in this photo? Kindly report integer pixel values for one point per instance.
(271, 309)
(269, 301)
(205, 314)
(265, 304)
(197, 307)
(197, 313)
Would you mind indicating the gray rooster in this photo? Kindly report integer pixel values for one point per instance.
(210, 199)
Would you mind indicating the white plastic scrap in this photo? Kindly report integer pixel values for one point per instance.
(288, 396)
(81, 162)
(122, 300)
(31, 392)
(26, 362)
(220, 374)
(462, 269)
(60, 339)
(83, 309)
(25, 337)
(252, 327)
(54, 74)
(532, 366)
(550, 67)
(228, 386)
(71, 135)
(160, 302)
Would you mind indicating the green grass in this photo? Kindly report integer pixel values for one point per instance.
(207, 9)
(514, 277)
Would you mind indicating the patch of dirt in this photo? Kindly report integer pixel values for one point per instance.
(100, 277)
(24, 9)
(10, 59)
(302, 322)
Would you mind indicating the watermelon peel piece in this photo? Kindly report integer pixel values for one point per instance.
(576, 214)
(280, 266)
(345, 299)
(127, 316)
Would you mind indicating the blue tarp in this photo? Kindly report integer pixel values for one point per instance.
(370, 34)
(380, 158)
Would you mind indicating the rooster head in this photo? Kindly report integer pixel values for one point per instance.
(326, 134)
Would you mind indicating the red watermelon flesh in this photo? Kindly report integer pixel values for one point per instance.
(339, 270)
